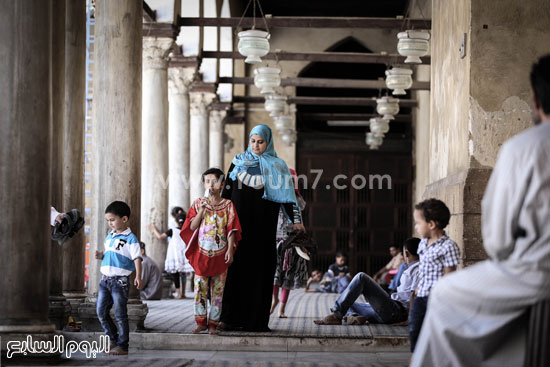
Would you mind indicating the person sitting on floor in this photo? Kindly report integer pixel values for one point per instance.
(394, 264)
(314, 279)
(381, 307)
(151, 276)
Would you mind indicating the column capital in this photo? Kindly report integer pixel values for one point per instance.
(155, 52)
(200, 101)
(217, 116)
(180, 79)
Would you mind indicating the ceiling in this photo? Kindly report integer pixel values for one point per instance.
(330, 8)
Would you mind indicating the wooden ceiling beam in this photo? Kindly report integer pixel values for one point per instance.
(346, 57)
(326, 101)
(318, 116)
(326, 83)
(306, 22)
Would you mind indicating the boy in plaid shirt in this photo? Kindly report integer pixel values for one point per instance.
(439, 255)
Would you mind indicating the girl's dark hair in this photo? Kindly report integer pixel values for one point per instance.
(180, 217)
(175, 210)
(118, 208)
(436, 210)
(540, 82)
(213, 171)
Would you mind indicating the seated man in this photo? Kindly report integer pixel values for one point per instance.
(151, 276)
(394, 264)
(476, 316)
(381, 308)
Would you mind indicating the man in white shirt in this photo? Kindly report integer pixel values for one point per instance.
(476, 316)
(380, 307)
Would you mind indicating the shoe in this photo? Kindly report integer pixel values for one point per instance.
(331, 319)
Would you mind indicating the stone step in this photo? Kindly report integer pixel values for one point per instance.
(251, 343)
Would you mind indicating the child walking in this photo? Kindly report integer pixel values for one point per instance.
(212, 231)
(439, 255)
(121, 257)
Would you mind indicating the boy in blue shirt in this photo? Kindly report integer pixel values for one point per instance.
(121, 257)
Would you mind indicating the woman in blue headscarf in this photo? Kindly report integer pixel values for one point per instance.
(258, 183)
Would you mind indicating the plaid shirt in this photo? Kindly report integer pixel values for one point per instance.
(443, 253)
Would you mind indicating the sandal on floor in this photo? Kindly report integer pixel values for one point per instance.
(283, 316)
(213, 330)
(331, 319)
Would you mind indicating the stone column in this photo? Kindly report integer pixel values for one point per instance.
(179, 80)
(473, 108)
(59, 307)
(116, 136)
(73, 156)
(216, 143)
(25, 139)
(154, 155)
(199, 160)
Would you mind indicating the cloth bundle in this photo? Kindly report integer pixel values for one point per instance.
(300, 240)
(71, 222)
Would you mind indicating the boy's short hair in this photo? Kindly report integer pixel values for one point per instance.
(411, 244)
(141, 245)
(340, 254)
(436, 210)
(175, 210)
(118, 208)
(213, 171)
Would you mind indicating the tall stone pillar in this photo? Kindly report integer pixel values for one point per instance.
(25, 139)
(73, 147)
(473, 108)
(154, 155)
(179, 80)
(59, 307)
(216, 143)
(116, 134)
(201, 96)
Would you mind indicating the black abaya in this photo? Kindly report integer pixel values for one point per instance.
(249, 284)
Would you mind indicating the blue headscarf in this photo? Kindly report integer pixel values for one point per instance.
(279, 186)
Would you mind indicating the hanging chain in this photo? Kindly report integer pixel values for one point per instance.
(253, 15)
(242, 16)
(263, 16)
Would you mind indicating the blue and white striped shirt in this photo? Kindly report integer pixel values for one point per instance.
(443, 253)
(121, 249)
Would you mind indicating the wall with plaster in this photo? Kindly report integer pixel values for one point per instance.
(479, 101)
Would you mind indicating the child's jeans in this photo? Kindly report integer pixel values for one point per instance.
(216, 285)
(416, 319)
(114, 290)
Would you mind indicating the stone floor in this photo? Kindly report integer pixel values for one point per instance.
(176, 316)
(295, 341)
